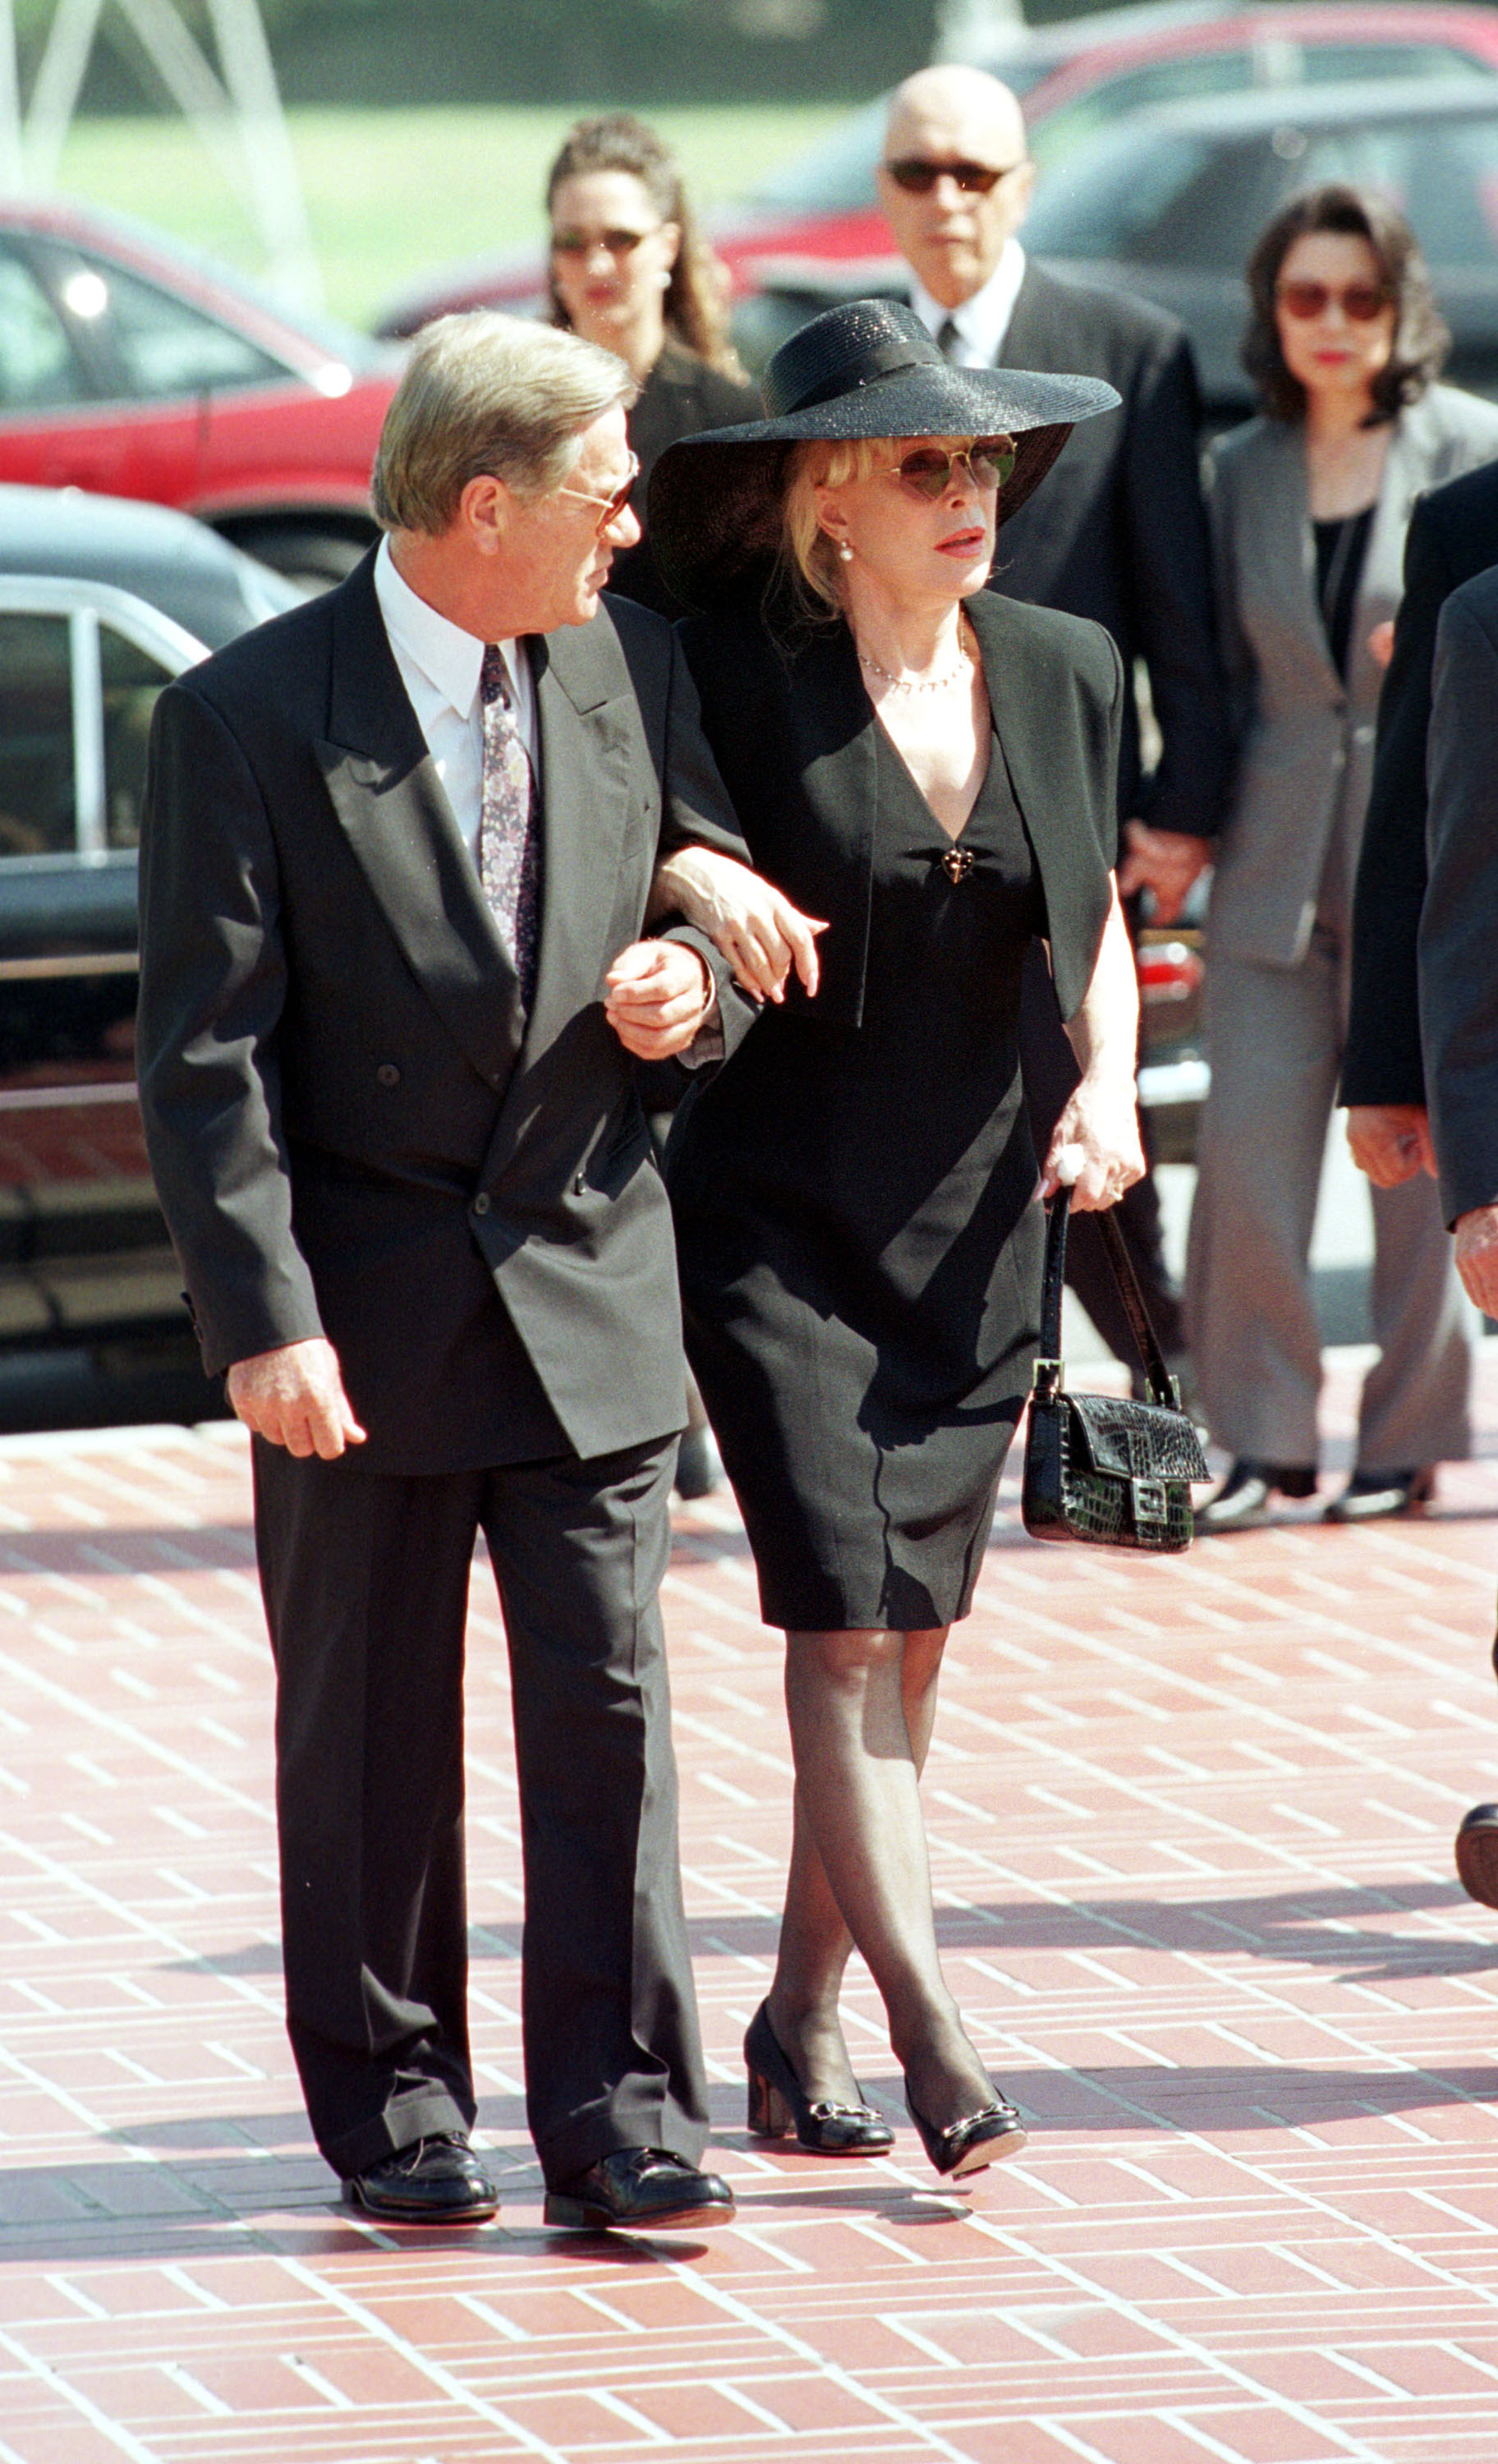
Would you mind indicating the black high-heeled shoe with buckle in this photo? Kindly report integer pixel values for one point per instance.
(778, 2105)
(978, 2139)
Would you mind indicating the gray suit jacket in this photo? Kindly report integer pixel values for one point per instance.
(1305, 739)
(355, 1129)
(1459, 920)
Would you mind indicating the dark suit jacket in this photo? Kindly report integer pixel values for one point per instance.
(1458, 933)
(1453, 535)
(1118, 531)
(794, 736)
(355, 1129)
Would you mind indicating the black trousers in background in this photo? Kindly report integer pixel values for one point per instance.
(366, 1580)
(1050, 1072)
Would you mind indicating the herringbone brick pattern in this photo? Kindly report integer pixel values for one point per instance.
(1191, 1828)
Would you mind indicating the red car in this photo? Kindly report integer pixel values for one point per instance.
(813, 227)
(131, 368)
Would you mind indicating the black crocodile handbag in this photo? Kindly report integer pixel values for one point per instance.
(1102, 1467)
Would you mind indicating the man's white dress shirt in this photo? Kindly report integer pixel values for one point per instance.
(439, 666)
(982, 322)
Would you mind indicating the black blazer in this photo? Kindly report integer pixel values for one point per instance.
(680, 397)
(793, 734)
(1453, 535)
(1118, 532)
(355, 1129)
(1458, 972)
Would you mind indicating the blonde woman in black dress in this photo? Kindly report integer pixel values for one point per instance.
(927, 769)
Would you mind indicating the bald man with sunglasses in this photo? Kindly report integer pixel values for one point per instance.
(1118, 532)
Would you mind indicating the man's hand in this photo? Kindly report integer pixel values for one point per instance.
(754, 926)
(1164, 862)
(1390, 1142)
(660, 993)
(1476, 1257)
(294, 1398)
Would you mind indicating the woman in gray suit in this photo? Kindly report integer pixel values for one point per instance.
(1310, 504)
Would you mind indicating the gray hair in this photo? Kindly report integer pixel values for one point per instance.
(488, 394)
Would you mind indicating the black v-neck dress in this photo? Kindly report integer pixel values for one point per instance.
(859, 1240)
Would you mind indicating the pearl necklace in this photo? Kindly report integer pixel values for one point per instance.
(920, 685)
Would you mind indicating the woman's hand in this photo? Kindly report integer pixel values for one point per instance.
(1101, 1122)
(756, 929)
(1095, 1147)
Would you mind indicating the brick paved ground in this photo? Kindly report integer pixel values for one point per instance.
(1191, 1825)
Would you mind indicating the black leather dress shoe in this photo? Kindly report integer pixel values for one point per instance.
(645, 2189)
(1477, 1855)
(436, 2182)
(1371, 1494)
(1248, 1489)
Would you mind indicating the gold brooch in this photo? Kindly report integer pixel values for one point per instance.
(957, 863)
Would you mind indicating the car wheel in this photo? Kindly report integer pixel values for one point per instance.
(316, 558)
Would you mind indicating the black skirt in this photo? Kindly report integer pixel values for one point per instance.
(859, 1240)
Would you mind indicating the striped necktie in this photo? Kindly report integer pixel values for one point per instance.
(509, 840)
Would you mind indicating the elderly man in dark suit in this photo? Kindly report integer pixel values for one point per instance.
(398, 853)
(1118, 532)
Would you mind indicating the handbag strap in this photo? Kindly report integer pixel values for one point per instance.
(1161, 1385)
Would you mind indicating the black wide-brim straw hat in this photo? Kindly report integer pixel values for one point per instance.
(867, 368)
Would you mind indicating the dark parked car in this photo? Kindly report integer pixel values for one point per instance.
(102, 602)
(1169, 204)
(129, 366)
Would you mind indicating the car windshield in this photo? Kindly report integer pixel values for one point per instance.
(1186, 197)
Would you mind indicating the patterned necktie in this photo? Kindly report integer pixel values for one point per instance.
(509, 841)
(948, 339)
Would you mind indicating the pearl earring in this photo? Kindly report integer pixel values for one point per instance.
(845, 552)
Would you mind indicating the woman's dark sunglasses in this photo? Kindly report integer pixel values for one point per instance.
(1361, 301)
(928, 471)
(618, 243)
(919, 176)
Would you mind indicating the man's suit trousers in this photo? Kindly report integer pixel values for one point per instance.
(1275, 1042)
(365, 1579)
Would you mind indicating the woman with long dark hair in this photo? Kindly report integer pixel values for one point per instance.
(1310, 504)
(630, 271)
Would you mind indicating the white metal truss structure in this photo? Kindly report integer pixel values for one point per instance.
(235, 106)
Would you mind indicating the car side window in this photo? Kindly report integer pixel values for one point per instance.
(160, 345)
(37, 774)
(130, 680)
(38, 370)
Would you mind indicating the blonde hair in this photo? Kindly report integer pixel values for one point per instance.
(488, 394)
(808, 563)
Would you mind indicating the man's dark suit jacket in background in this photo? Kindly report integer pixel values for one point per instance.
(1119, 533)
(1458, 940)
(1453, 535)
(359, 1133)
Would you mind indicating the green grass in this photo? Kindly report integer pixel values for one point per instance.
(393, 193)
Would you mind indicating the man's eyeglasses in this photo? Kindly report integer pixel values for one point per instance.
(618, 243)
(613, 506)
(920, 175)
(928, 471)
(1361, 301)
